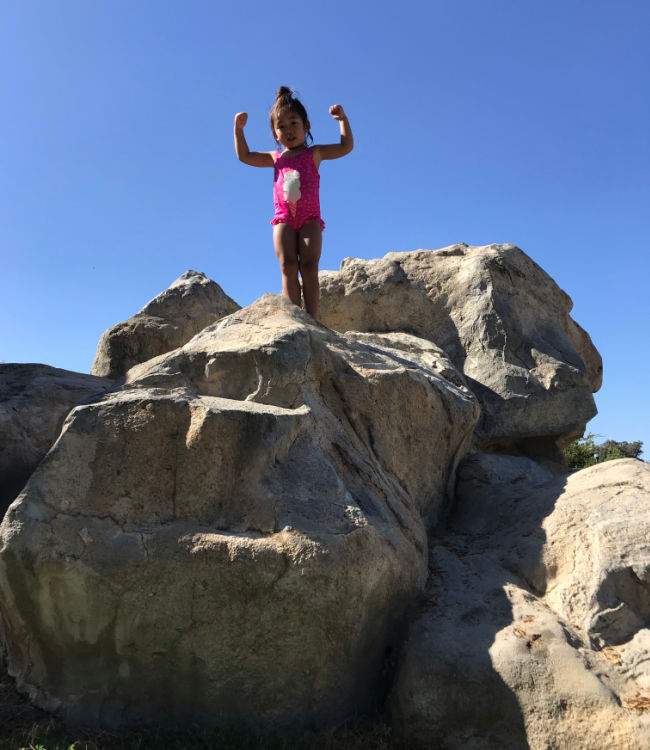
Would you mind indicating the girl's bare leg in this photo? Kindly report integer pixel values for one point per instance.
(310, 243)
(285, 240)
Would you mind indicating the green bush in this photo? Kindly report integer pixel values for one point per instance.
(611, 449)
(581, 453)
(584, 452)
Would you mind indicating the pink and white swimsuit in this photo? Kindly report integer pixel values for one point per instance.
(295, 190)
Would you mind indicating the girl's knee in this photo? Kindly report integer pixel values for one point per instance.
(309, 267)
(288, 266)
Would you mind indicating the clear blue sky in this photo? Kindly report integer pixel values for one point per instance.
(475, 121)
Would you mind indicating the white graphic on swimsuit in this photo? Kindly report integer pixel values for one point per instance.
(291, 187)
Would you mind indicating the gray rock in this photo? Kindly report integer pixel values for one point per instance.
(503, 322)
(583, 542)
(237, 533)
(170, 320)
(597, 553)
(34, 401)
(507, 651)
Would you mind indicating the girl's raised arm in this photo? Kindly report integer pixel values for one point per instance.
(254, 158)
(336, 150)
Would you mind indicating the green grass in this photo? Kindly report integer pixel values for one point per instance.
(23, 727)
(43, 737)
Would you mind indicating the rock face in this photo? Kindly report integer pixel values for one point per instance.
(235, 534)
(34, 401)
(535, 631)
(598, 566)
(170, 320)
(273, 522)
(503, 322)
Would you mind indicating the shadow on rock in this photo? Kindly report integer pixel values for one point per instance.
(448, 689)
(34, 402)
(496, 658)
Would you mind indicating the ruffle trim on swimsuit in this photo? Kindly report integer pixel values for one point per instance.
(288, 220)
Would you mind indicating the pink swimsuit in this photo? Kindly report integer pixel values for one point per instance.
(295, 190)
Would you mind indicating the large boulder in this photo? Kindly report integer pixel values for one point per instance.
(503, 322)
(34, 401)
(535, 628)
(170, 320)
(237, 533)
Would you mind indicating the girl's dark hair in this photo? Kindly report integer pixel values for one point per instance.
(286, 101)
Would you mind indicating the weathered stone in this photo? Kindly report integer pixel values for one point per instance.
(170, 320)
(34, 401)
(583, 344)
(588, 551)
(503, 322)
(597, 557)
(489, 666)
(238, 532)
(503, 653)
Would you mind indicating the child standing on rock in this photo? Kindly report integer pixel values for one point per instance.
(297, 224)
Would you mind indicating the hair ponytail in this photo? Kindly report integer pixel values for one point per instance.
(284, 94)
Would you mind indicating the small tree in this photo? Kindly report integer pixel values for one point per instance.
(611, 449)
(581, 453)
(584, 452)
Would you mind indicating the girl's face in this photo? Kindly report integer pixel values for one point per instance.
(290, 130)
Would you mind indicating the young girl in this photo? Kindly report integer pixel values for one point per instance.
(297, 225)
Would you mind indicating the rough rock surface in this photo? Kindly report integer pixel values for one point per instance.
(34, 401)
(503, 322)
(237, 532)
(170, 320)
(597, 559)
(535, 628)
